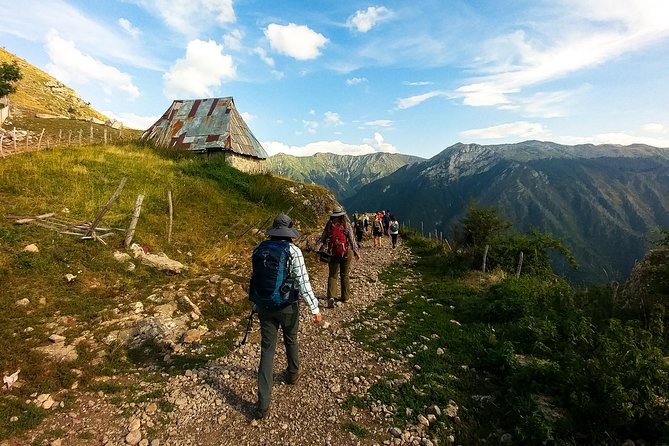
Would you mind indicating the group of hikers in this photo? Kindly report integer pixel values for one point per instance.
(383, 224)
(279, 277)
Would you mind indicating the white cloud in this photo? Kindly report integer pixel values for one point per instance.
(371, 145)
(553, 104)
(69, 64)
(654, 127)
(379, 123)
(248, 117)
(589, 34)
(332, 118)
(204, 67)
(233, 40)
(356, 80)
(417, 83)
(310, 126)
(522, 129)
(263, 56)
(412, 101)
(364, 21)
(131, 120)
(297, 41)
(105, 40)
(190, 17)
(614, 138)
(129, 28)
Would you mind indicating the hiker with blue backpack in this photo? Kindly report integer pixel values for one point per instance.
(278, 278)
(338, 238)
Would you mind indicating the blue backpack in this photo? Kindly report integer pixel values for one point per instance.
(271, 285)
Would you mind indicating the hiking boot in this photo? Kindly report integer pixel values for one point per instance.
(293, 378)
(331, 302)
(261, 414)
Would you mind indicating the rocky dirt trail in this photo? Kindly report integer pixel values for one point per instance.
(214, 405)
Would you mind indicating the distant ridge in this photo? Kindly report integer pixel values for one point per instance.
(342, 174)
(603, 200)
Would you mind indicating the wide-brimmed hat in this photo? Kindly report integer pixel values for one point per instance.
(338, 211)
(282, 227)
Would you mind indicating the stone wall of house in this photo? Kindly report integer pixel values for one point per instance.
(245, 163)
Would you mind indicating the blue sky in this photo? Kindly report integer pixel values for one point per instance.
(354, 77)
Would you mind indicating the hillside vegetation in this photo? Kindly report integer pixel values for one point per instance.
(38, 92)
(523, 360)
(217, 213)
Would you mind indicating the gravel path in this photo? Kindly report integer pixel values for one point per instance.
(333, 366)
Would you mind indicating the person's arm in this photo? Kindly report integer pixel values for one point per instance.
(351, 241)
(324, 235)
(299, 271)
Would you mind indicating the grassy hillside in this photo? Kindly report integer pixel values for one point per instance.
(216, 211)
(522, 361)
(38, 92)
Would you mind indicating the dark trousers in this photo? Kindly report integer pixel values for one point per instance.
(288, 319)
(340, 267)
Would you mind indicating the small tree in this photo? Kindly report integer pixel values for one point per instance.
(479, 226)
(9, 73)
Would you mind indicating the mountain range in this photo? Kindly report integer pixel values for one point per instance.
(342, 174)
(603, 201)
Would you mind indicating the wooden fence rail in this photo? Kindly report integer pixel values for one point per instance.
(19, 141)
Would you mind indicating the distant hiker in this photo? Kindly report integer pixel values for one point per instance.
(365, 221)
(338, 238)
(386, 222)
(377, 230)
(279, 276)
(359, 231)
(394, 229)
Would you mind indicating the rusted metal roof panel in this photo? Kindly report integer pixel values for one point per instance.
(204, 125)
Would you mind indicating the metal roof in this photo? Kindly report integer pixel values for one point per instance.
(205, 125)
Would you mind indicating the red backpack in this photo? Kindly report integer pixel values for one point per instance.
(337, 241)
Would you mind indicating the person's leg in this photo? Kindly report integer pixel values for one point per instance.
(269, 325)
(394, 237)
(289, 327)
(333, 271)
(345, 282)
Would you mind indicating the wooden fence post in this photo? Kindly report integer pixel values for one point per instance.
(60, 136)
(14, 138)
(2, 150)
(90, 138)
(169, 229)
(421, 228)
(133, 222)
(81, 132)
(485, 257)
(39, 142)
(105, 136)
(520, 264)
(69, 138)
(107, 206)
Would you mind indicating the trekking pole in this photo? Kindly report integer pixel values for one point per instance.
(248, 327)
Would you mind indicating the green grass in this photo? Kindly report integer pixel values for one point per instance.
(213, 204)
(526, 357)
(356, 429)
